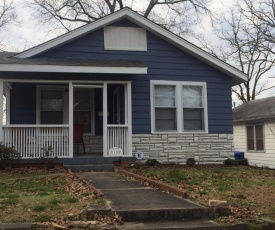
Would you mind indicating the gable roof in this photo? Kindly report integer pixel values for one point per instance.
(256, 110)
(236, 75)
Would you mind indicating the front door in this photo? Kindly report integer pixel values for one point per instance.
(84, 109)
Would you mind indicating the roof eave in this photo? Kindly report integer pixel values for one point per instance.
(72, 69)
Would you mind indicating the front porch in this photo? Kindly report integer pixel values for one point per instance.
(42, 122)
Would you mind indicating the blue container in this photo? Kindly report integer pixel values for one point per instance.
(239, 155)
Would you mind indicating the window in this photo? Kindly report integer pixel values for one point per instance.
(178, 106)
(125, 38)
(255, 137)
(51, 106)
(165, 108)
(192, 108)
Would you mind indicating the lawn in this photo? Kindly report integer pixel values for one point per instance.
(32, 194)
(250, 192)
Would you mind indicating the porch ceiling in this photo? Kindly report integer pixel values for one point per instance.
(8, 63)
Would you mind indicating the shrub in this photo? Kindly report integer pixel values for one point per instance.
(7, 155)
(234, 162)
(151, 162)
(243, 162)
(230, 162)
(47, 158)
(190, 162)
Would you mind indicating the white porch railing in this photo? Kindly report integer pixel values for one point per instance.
(117, 140)
(32, 141)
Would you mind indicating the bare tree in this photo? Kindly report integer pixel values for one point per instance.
(69, 14)
(7, 14)
(261, 14)
(7, 17)
(243, 46)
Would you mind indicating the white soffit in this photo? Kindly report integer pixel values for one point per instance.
(72, 69)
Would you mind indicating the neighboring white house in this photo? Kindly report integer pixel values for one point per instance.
(254, 131)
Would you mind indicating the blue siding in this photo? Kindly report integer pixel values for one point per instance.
(164, 62)
(23, 104)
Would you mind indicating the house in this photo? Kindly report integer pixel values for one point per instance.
(254, 131)
(134, 85)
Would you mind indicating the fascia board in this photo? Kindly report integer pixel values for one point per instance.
(72, 69)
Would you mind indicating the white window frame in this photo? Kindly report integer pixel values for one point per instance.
(255, 139)
(178, 90)
(114, 41)
(39, 88)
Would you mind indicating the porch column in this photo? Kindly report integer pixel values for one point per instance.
(105, 119)
(71, 120)
(129, 117)
(7, 89)
(1, 109)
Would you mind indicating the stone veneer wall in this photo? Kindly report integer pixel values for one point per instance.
(93, 144)
(205, 148)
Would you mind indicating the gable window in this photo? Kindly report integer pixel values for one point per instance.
(255, 137)
(125, 38)
(178, 106)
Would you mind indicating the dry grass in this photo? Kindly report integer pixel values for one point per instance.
(40, 195)
(250, 192)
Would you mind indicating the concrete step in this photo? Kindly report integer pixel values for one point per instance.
(93, 167)
(86, 160)
(171, 225)
(178, 214)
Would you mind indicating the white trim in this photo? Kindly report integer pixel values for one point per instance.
(178, 88)
(71, 120)
(39, 88)
(1, 109)
(72, 69)
(105, 120)
(255, 138)
(62, 81)
(35, 126)
(129, 112)
(182, 44)
(7, 88)
(88, 86)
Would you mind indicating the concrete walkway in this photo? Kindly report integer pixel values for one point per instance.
(142, 206)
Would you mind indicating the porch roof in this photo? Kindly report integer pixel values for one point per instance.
(9, 63)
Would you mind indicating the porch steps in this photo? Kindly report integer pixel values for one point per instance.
(88, 163)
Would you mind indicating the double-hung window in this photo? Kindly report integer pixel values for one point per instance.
(178, 106)
(255, 137)
(50, 105)
(165, 108)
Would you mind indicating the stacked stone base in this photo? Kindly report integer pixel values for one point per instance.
(177, 148)
(93, 144)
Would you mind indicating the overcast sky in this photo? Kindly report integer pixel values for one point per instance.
(29, 33)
